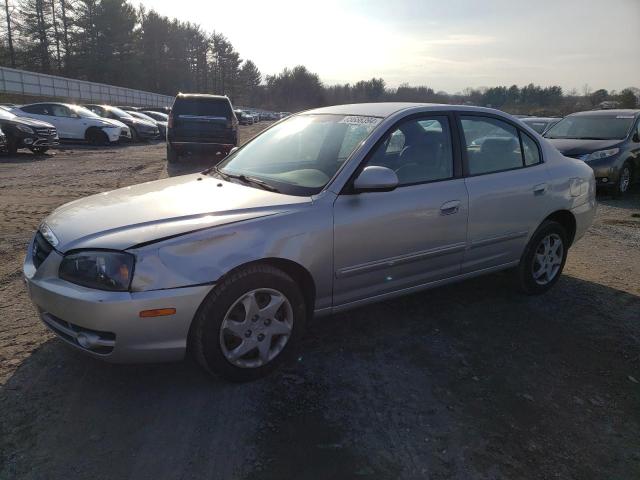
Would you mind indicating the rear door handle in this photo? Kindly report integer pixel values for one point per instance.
(449, 208)
(540, 189)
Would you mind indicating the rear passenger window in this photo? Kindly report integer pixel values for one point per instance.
(492, 145)
(531, 152)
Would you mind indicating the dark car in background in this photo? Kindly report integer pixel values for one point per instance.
(540, 124)
(140, 129)
(200, 123)
(164, 110)
(243, 117)
(607, 140)
(23, 132)
(159, 116)
(161, 124)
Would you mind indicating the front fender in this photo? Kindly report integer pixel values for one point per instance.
(303, 235)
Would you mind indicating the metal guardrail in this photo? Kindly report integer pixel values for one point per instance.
(34, 84)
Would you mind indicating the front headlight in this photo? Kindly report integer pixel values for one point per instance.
(103, 270)
(25, 129)
(600, 154)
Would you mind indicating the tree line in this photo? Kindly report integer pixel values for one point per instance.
(113, 42)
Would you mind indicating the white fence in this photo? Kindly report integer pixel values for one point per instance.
(33, 84)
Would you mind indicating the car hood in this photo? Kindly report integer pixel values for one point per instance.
(144, 123)
(109, 122)
(570, 146)
(147, 212)
(30, 122)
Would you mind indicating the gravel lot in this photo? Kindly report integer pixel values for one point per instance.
(467, 381)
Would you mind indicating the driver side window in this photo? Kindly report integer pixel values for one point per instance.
(418, 150)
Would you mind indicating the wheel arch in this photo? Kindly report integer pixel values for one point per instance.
(567, 220)
(297, 272)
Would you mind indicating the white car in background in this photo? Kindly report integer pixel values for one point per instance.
(75, 122)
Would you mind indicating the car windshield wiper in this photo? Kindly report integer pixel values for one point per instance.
(246, 179)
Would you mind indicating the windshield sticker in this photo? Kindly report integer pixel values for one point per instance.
(624, 116)
(358, 120)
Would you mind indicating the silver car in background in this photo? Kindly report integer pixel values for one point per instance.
(326, 210)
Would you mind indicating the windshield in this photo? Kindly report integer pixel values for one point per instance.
(537, 125)
(300, 155)
(592, 128)
(119, 113)
(6, 115)
(83, 112)
(142, 116)
(163, 117)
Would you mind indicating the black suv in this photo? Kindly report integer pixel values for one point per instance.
(201, 123)
(23, 132)
(607, 140)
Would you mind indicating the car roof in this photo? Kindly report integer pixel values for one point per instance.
(541, 119)
(386, 109)
(606, 113)
(49, 103)
(202, 95)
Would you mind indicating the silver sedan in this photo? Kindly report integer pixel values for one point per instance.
(326, 210)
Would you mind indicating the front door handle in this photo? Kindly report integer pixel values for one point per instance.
(449, 208)
(540, 189)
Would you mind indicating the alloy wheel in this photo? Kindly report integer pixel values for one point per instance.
(625, 179)
(548, 259)
(256, 328)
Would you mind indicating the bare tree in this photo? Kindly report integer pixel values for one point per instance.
(12, 53)
(56, 36)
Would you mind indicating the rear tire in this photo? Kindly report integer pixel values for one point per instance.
(172, 155)
(257, 310)
(543, 259)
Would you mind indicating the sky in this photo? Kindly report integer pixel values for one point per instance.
(445, 44)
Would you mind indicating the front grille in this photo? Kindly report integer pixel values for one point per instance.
(46, 131)
(40, 250)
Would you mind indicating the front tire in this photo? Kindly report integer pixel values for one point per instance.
(39, 150)
(543, 259)
(97, 137)
(135, 138)
(249, 324)
(624, 180)
(12, 145)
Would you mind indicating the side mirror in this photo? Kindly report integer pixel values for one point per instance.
(375, 179)
(636, 136)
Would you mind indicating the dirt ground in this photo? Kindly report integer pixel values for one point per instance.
(466, 381)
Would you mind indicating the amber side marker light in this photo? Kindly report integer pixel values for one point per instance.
(158, 312)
